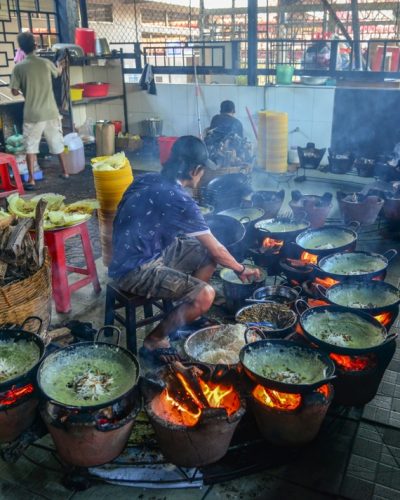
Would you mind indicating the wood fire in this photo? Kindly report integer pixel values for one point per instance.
(309, 258)
(353, 363)
(276, 399)
(13, 395)
(326, 282)
(384, 318)
(274, 246)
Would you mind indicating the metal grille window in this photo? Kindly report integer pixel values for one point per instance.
(100, 13)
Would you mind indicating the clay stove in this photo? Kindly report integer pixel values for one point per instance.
(17, 411)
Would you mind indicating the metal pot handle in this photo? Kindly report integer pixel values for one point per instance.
(244, 220)
(389, 338)
(353, 225)
(35, 318)
(112, 327)
(390, 254)
(321, 289)
(299, 304)
(297, 289)
(257, 330)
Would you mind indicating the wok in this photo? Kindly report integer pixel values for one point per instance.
(228, 231)
(338, 238)
(52, 368)
(273, 327)
(333, 348)
(265, 352)
(330, 266)
(18, 334)
(372, 298)
(277, 293)
(270, 229)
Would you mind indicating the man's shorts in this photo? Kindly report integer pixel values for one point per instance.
(52, 131)
(169, 276)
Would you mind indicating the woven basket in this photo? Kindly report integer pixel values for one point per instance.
(106, 219)
(28, 297)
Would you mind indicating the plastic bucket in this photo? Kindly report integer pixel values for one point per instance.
(165, 144)
(110, 186)
(85, 38)
(284, 74)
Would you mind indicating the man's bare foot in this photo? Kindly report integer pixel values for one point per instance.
(161, 349)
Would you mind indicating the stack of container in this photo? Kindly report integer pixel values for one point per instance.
(273, 130)
(110, 186)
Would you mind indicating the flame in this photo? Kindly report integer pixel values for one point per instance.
(384, 318)
(326, 282)
(324, 390)
(274, 245)
(276, 399)
(175, 412)
(317, 302)
(353, 363)
(309, 258)
(13, 395)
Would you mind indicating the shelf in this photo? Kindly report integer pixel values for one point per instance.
(83, 61)
(93, 100)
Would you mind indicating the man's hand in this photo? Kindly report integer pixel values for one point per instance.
(249, 274)
(15, 92)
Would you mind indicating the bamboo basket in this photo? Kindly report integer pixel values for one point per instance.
(28, 297)
(106, 219)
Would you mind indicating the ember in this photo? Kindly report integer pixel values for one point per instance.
(326, 282)
(276, 399)
(274, 246)
(185, 408)
(354, 363)
(316, 302)
(384, 318)
(13, 395)
(325, 390)
(309, 258)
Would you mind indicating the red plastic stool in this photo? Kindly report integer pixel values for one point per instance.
(6, 186)
(55, 241)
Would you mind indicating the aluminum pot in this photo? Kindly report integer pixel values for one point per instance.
(360, 266)
(280, 228)
(329, 347)
(230, 232)
(264, 352)
(235, 291)
(374, 297)
(274, 329)
(277, 293)
(334, 239)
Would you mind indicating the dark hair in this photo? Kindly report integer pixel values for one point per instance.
(187, 153)
(26, 41)
(227, 107)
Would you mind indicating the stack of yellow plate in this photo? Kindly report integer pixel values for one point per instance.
(273, 141)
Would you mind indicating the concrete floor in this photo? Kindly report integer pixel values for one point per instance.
(366, 452)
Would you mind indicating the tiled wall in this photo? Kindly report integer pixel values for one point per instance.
(309, 108)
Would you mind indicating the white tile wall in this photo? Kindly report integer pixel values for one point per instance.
(310, 109)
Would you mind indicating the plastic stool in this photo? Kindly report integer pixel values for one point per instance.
(118, 299)
(6, 186)
(62, 290)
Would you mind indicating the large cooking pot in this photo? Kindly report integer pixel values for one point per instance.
(337, 330)
(262, 359)
(219, 344)
(276, 293)
(355, 266)
(328, 239)
(227, 191)
(61, 388)
(248, 217)
(19, 337)
(374, 297)
(18, 396)
(276, 320)
(280, 228)
(228, 231)
(235, 291)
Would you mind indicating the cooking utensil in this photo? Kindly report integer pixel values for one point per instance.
(340, 163)
(271, 318)
(280, 228)
(313, 80)
(218, 338)
(310, 156)
(308, 312)
(235, 291)
(286, 354)
(328, 239)
(73, 49)
(374, 297)
(96, 89)
(53, 368)
(16, 335)
(269, 201)
(102, 47)
(228, 231)
(277, 293)
(357, 266)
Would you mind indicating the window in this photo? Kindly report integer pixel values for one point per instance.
(100, 13)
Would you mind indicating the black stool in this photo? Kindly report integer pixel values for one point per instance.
(118, 299)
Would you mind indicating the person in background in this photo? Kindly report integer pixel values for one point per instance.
(33, 78)
(163, 247)
(225, 123)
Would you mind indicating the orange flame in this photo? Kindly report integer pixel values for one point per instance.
(317, 302)
(13, 395)
(324, 390)
(218, 396)
(276, 399)
(309, 258)
(353, 363)
(326, 282)
(271, 244)
(384, 318)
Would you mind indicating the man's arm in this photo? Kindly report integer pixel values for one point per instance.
(218, 252)
(15, 92)
(15, 82)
